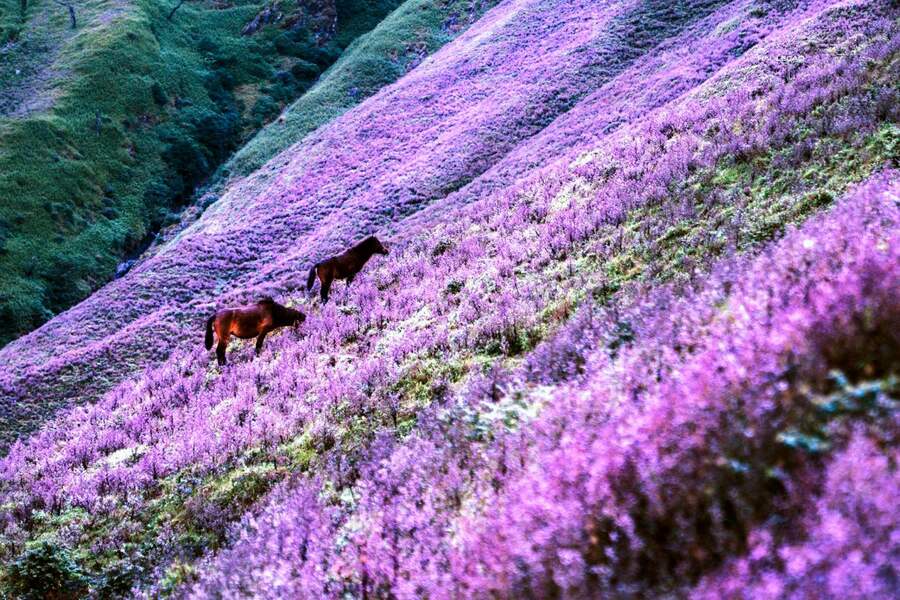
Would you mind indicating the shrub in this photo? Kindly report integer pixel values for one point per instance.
(305, 70)
(45, 571)
(4, 235)
(159, 95)
(265, 109)
(186, 159)
(65, 282)
(218, 133)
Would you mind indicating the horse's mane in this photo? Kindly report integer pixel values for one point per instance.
(368, 242)
(266, 300)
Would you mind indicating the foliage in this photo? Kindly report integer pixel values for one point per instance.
(45, 570)
(650, 469)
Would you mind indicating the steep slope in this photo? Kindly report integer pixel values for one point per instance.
(686, 437)
(540, 391)
(442, 126)
(108, 123)
(393, 48)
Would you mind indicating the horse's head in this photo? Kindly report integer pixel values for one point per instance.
(287, 317)
(376, 245)
(296, 317)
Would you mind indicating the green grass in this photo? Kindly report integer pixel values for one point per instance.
(105, 130)
(767, 199)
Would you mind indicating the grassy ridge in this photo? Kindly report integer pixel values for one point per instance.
(135, 110)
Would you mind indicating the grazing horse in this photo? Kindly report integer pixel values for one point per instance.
(344, 266)
(249, 321)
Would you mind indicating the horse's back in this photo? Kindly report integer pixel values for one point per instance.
(245, 322)
(347, 264)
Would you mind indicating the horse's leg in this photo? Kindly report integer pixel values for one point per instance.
(326, 287)
(347, 287)
(223, 344)
(260, 339)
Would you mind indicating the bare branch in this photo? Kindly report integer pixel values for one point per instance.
(177, 6)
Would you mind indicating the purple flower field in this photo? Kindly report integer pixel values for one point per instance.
(627, 483)
(637, 335)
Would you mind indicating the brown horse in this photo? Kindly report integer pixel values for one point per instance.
(249, 321)
(344, 266)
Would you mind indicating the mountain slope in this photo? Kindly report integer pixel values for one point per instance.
(434, 132)
(392, 49)
(589, 366)
(106, 127)
(379, 58)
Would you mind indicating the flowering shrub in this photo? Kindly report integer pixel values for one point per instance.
(848, 550)
(702, 446)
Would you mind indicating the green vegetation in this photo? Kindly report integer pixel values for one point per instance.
(45, 570)
(189, 511)
(106, 129)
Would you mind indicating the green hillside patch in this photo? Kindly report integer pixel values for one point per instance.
(107, 128)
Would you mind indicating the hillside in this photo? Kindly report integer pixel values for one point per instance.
(369, 167)
(106, 128)
(634, 336)
(59, 378)
(396, 46)
(393, 48)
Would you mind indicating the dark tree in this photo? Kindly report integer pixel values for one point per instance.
(71, 7)
(174, 10)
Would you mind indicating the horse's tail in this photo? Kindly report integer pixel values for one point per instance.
(312, 278)
(209, 332)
